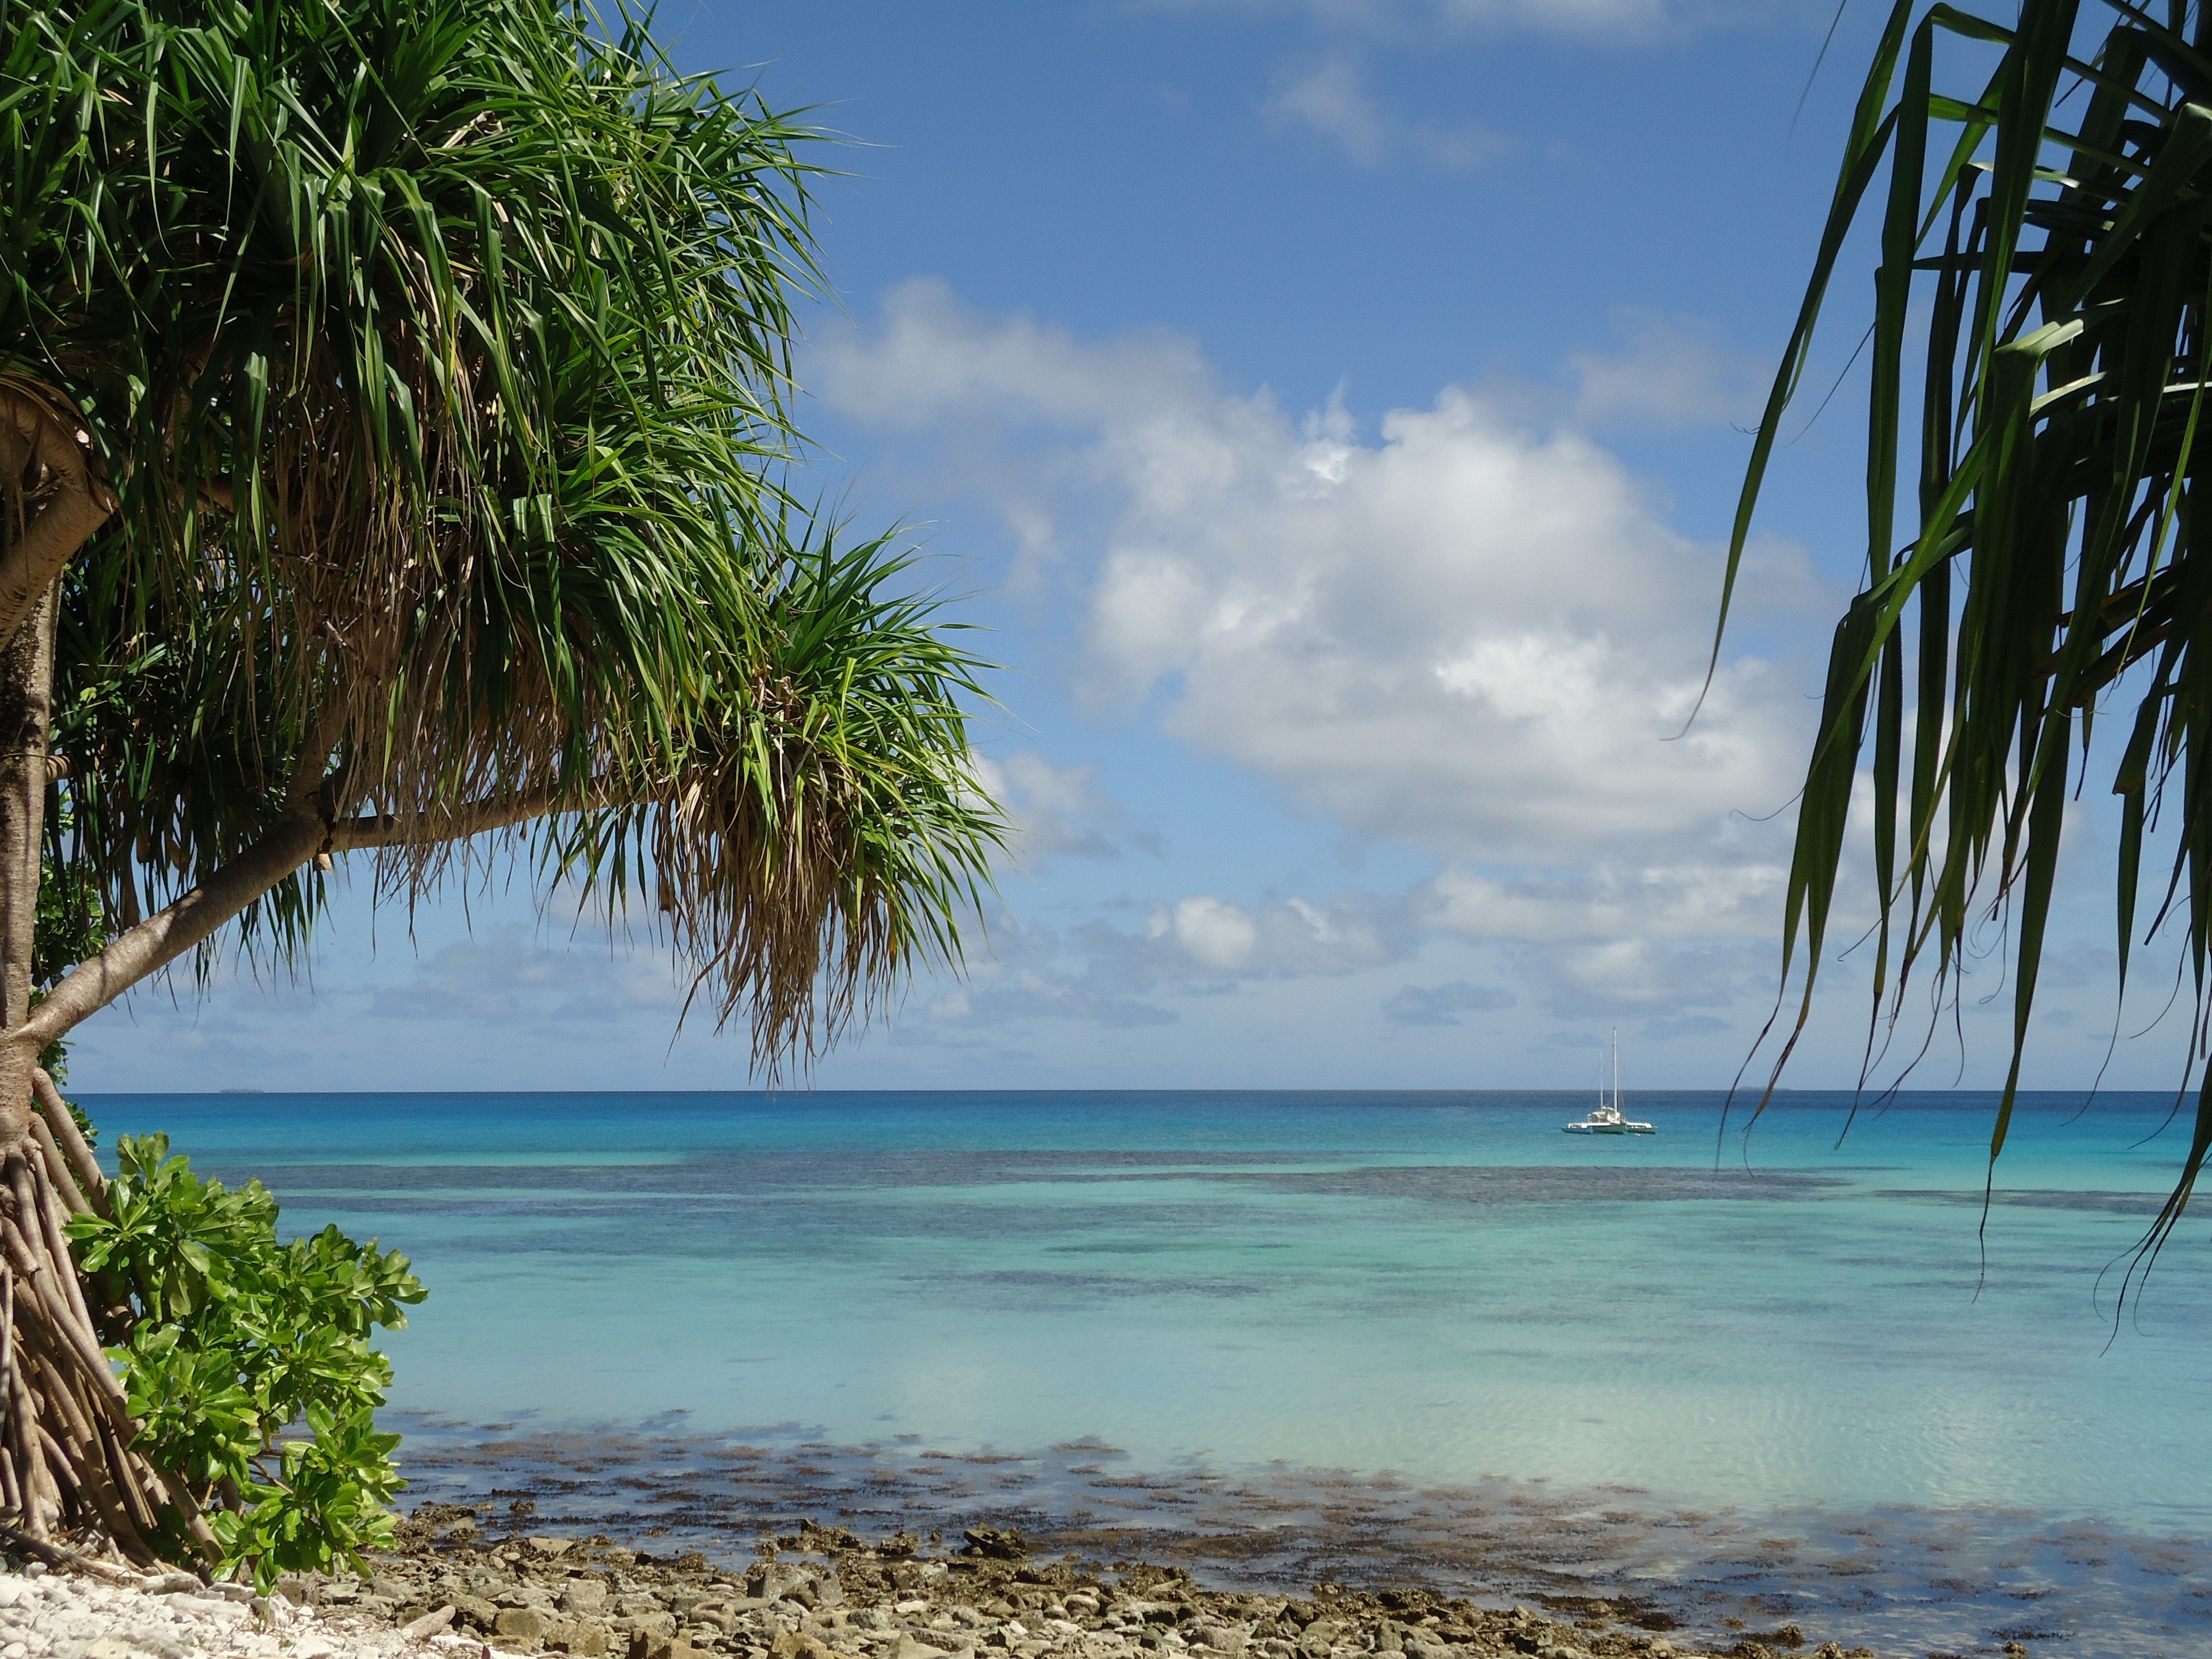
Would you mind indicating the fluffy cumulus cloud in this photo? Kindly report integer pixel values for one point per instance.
(1469, 634)
(1466, 632)
(1458, 631)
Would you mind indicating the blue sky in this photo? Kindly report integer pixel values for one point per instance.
(1335, 408)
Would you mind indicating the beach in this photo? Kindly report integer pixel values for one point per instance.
(1392, 1342)
(459, 1589)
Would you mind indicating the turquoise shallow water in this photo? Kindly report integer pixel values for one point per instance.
(1440, 1290)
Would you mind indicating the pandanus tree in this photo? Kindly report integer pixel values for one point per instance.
(2045, 247)
(391, 393)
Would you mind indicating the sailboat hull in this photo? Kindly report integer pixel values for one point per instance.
(1607, 1119)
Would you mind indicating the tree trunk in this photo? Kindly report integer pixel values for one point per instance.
(67, 1470)
(51, 502)
(27, 701)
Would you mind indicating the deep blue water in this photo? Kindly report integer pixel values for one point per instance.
(1790, 1342)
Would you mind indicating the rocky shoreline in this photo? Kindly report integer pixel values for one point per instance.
(821, 1593)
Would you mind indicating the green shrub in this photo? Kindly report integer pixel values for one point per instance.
(247, 1361)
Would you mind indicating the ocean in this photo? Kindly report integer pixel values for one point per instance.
(1276, 1336)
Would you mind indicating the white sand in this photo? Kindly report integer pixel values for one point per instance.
(54, 1615)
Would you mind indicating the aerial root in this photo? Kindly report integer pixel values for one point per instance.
(69, 1472)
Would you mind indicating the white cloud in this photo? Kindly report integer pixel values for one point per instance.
(1443, 1004)
(1202, 946)
(1603, 21)
(1626, 978)
(1561, 16)
(1199, 945)
(1675, 371)
(1059, 811)
(1279, 937)
(1466, 633)
(507, 977)
(1333, 101)
(1214, 933)
(1731, 892)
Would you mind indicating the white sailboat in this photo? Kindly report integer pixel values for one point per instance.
(1607, 1120)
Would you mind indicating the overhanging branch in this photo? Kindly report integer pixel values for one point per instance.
(163, 936)
(446, 823)
(296, 837)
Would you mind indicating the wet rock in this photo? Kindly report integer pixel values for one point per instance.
(828, 1541)
(994, 1544)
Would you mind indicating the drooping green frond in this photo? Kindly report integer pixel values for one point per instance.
(2049, 204)
(824, 835)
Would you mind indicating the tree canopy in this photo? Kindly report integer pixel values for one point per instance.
(422, 366)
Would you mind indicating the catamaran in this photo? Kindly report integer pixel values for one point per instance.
(1607, 1120)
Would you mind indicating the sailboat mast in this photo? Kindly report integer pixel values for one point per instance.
(1616, 1068)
